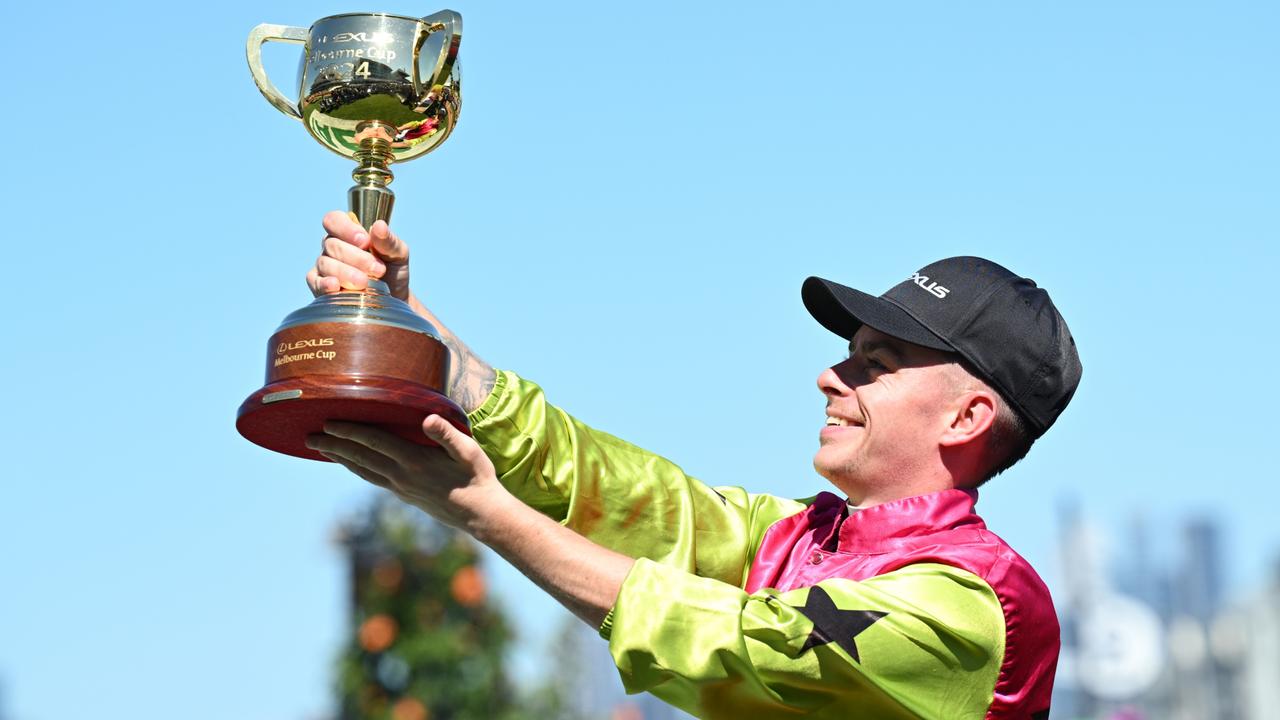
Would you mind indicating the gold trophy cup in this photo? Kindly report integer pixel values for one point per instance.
(378, 89)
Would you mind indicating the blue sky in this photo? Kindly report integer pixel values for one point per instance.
(625, 214)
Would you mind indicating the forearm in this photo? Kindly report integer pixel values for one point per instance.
(614, 493)
(581, 575)
(470, 378)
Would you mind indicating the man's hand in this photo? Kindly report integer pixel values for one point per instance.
(455, 483)
(350, 256)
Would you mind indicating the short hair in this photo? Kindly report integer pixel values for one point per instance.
(1009, 438)
(1008, 441)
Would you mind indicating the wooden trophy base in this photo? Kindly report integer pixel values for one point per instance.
(281, 415)
(359, 356)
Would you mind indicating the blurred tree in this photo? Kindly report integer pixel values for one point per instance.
(426, 642)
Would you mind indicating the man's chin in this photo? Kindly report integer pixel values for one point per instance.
(824, 466)
(841, 475)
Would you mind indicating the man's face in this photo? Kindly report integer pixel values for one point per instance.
(887, 406)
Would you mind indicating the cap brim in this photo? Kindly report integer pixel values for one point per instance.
(843, 310)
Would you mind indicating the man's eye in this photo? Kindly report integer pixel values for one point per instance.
(874, 363)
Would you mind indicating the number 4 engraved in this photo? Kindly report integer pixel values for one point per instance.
(363, 69)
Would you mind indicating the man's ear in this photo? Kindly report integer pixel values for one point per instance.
(974, 414)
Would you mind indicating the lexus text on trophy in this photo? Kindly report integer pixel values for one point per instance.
(378, 89)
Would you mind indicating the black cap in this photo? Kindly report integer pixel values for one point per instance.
(1006, 327)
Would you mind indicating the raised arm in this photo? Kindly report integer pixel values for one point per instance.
(350, 256)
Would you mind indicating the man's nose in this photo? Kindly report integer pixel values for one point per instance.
(831, 384)
(842, 378)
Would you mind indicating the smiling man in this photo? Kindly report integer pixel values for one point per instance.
(893, 601)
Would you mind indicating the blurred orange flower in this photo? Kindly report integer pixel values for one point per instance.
(467, 586)
(409, 709)
(377, 633)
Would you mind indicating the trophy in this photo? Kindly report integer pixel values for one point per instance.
(378, 89)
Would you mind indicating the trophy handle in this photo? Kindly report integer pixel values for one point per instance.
(444, 21)
(253, 53)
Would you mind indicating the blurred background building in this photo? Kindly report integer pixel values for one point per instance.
(1151, 637)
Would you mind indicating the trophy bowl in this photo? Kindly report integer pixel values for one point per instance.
(378, 89)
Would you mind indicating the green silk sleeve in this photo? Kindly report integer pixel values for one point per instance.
(616, 494)
(924, 641)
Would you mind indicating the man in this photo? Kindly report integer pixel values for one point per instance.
(896, 602)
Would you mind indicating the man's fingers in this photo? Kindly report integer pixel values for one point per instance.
(347, 276)
(340, 225)
(387, 245)
(342, 264)
(459, 446)
(375, 439)
(377, 253)
(348, 254)
(354, 453)
(322, 285)
(364, 473)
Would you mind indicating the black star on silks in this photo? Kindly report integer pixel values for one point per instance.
(831, 624)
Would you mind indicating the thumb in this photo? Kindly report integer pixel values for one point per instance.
(388, 247)
(460, 447)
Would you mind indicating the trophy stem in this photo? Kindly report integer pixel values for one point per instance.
(370, 199)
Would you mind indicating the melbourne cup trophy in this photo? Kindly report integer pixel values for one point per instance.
(378, 89)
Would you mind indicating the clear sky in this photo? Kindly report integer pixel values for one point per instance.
(625, 214)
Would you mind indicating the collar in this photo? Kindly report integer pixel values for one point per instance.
(865, 529)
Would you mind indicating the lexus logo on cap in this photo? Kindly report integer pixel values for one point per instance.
(933, 287)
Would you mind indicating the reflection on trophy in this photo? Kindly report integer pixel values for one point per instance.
(378, 89)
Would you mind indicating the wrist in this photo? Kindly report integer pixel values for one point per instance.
(416, 305)
(494, 515)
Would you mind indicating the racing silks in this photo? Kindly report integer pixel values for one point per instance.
(745, 605)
